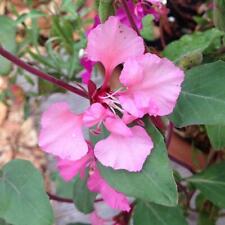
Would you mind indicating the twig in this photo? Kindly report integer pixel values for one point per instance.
(15, 60)
(59, 199)
(66, 200)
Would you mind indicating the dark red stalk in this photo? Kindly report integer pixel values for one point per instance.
(59, 199)
(169, 133)
(15, 60)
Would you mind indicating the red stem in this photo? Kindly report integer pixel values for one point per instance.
(59, 199)
(169, 133)
(66, 200)
(15, 60)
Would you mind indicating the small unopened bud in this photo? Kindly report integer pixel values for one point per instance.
(190, 60)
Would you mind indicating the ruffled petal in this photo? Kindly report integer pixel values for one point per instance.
(158, 89)
(61, 133)
(127, 153)
(114, 199)
(112, 43)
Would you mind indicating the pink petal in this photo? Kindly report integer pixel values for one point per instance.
(69, 169)
(117, 126)
(158, 90)
(94, 114)
(127, 153)
(114, 199)
(133, 78)
(96, 219)
(88, 67)
(61, 133)
(112, 43)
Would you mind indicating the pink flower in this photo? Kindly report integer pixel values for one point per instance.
(152, 85)
(113, 198)
(140, 9)
(61, 133)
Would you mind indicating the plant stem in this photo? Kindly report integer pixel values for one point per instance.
(59, 199)
(15, 60)
(169, 133)
(66, 200)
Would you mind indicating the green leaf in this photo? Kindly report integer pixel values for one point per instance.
(82, 197)
(216, 135)
(202, 99)
(211, 182)
(63, 189)
(23, 200)
(105, 9)
(148, 26)
(192, 43)
(2, 222)
(205, 219)
(154, 183)
(153, 214)
(8, 41)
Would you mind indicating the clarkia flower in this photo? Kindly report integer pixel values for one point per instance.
(148, 85)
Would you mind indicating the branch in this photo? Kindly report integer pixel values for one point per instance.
(15, 60)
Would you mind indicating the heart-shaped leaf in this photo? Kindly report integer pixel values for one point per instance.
(23, 200)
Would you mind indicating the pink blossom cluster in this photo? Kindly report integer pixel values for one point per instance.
(141, 8)
(148, 85)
